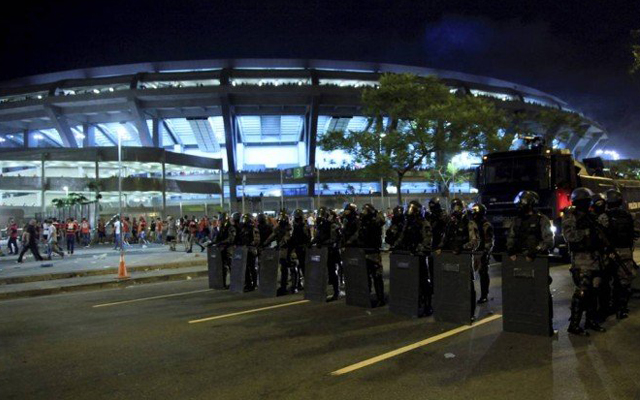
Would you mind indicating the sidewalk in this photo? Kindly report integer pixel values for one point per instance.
(96, 268)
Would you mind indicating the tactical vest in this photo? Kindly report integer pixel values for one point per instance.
(370, 234)
(299, 236)
(457, 233)
(412, 236)
(323, 232)
(583, 222)
(246, 235)
(528, 232)
(481, 232)
(621, 229)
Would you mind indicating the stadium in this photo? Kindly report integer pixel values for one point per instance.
(208, 133)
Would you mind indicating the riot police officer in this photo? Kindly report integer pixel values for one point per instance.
(580, 232)
(620, 230)
(598, 208)
(326, 235)
(416, 238)
(368, 236)
(350, 225)
(437, 219)
(461, 234)
(249, 236)
(264, 228)
(530, 232)
(397, 225)
(282, 235)
(225, 240)
(300, 239)
(478, 214)
(598, 204)
(337, 226)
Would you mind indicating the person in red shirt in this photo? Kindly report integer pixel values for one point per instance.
(71, 228)
(85, 232)
(193, 236)
(12, 229)
(142, 231)
(159, 230)
(126, 230)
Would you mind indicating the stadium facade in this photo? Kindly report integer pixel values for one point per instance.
(250, 117)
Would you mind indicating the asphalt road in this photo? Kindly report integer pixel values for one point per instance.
(62, 347)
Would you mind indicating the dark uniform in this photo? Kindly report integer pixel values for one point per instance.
(249, 236)
(282, 235)
(580, 231)
(620, 229)
(605, 307)
(416, 239)
(461, 234)
(300, 240)
(326, 235)
(485, 245)
(368, 236)
(264, 228)
(397, 225)
(530, 234)
(225, 240)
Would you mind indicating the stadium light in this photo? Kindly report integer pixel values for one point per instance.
(2, 140)
(38, 136)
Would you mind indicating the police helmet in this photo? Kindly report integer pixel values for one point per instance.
(283, 218)
(235, 217)
(323, 213)
(368, 210)
(457, 205)
(350, 210)
(434, 205)
(398, 211)
(297, 214)
(527, 198)
(246, 219)
(477, 210)
(614, 197)
(581, 194)
(262, 218)
(415, 208)
(598, 202)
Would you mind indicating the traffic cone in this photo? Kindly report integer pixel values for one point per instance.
(122, 269)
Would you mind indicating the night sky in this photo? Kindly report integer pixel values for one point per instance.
(577, 50)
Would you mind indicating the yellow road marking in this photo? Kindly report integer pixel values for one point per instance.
(293, 303)
(413, 346)
(150, 298)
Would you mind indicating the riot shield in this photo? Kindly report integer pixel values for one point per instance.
(215, 266)
(404, 284)
(452, 288)
(238, 269)
(526, 306)
(356, 277)
(269, 265)
(315, 278)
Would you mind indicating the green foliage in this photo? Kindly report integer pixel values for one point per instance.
(557, 124)
(70, 200)
(626, 169)
(635, 51)
(427, 123)
(448, 176)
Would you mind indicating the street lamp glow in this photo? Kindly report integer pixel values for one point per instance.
(38, 136)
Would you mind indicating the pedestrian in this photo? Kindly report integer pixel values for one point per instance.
(53, 242)
(12, 228)
(71, 228)
(142, 231)
(152, 230)
(171, 233)
(159, 231)
(102, 231)
(85, 232)
(29, 241)
(117, 231)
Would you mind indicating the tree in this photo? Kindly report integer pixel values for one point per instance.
(635, 51)
(448, 176)
(425, 123)
(626, 169)
(558, 125)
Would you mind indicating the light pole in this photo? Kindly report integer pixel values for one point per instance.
(122, 270)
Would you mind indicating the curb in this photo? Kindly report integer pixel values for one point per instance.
(96, 272)
(102, 285)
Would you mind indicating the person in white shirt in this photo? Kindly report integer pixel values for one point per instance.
(53, 242)
(116, 231)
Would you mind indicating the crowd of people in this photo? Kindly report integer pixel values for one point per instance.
(599, 231)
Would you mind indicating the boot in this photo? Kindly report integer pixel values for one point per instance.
(592, 314)
(379, 288)
(622, 303)
(294, 280)
(576, 316)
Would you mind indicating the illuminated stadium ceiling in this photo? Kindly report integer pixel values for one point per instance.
(203, 105)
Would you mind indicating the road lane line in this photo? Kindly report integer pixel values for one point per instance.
(413, 346)
(150, 298)
(195, 321)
